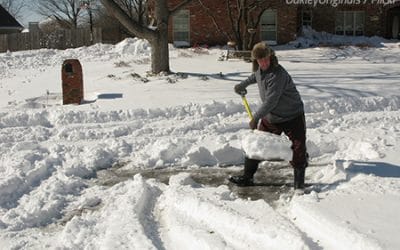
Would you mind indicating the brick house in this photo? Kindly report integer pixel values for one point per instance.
(283, 20)
(8, 24)
(355, 20)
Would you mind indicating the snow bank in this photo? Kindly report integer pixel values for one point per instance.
(101, 138)
(343, 105)
(311, 38)
(42, 58)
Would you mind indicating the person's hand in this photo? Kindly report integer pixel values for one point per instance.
(253, 124)
(240, 90)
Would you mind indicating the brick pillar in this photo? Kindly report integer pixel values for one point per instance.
(72, 82)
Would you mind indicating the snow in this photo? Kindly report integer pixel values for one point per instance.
(363, 204)
(53, 156)
(312, 38)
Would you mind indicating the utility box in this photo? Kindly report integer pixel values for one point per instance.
(72, 82)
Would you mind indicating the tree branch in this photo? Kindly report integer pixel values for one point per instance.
(125, 20)
(180, 6)
(209, 12)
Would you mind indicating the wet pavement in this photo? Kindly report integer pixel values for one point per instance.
(271, 180)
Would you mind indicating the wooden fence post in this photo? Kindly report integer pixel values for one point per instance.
(3, 43)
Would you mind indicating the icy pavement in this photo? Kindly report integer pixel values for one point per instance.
(271, 181)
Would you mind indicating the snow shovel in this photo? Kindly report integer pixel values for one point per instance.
(247, 107)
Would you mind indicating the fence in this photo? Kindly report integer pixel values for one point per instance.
(60, 39)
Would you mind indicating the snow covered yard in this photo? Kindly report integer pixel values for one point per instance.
(53, 156)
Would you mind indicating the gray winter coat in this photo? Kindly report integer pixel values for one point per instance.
(280, 99)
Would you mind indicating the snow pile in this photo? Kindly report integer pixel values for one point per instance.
(42, 58)
(311, 38)
(343, 105)
(133, 47)
(195, 136)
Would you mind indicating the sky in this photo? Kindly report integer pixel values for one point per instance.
(29, 15)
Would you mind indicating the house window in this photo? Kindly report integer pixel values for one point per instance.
(306, 18)
(268, 29)
(181, 28)
(350, 23)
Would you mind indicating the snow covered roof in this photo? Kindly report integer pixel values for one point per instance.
(7, 21)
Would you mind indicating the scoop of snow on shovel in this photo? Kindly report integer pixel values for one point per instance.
(265, 146)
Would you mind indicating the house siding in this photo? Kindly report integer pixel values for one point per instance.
(388, 14)
(324, 18)
(203, 30)
(289, 23)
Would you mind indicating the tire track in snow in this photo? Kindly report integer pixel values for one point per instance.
(180, 229)
(148, 217)
(38, 166)
(329, 233)
(43, 204)
(308, 214)
(124, 220)
(195, 217)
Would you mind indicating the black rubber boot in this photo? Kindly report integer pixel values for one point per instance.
(299, 174)
(241, 180)
(250, 168)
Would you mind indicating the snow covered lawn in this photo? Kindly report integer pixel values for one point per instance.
(52, 156)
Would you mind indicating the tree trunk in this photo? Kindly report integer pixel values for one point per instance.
(159, 43)
(158, 38)
(160, 52)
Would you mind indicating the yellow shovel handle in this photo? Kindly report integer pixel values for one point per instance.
(246, 105)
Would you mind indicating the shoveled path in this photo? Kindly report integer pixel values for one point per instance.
(271, 180)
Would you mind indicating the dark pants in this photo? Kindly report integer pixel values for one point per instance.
(295, 129)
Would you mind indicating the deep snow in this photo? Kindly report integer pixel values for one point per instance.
(52, 155)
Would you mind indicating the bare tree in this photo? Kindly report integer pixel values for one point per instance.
(244, 16)
(104, 20)
(66, 12)
(157, 35)
(14, 7)
(136, 9)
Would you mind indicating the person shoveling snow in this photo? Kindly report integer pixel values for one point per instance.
(282, 110)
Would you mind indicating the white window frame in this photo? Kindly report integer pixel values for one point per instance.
(178, 28)
(303, 21)
(341, 15)
(264, 28)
